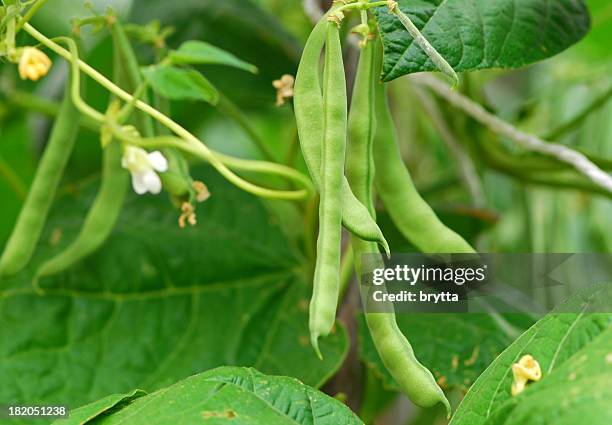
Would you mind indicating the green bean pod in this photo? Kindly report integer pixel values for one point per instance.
(26, 234)
(396, 353)
(129, 69)
(101, 218)
(309, 116)
(415, 380)
(361, 130)
(327, 268)
(414, 218)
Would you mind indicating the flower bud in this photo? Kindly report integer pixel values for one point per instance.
(33, 64)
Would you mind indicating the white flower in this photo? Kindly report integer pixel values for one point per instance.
(144, 167)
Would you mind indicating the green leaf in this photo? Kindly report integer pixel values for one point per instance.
(480, 34)
(198, 52)
(574, 351)
(231, 395)
(455, 347)
(158, 303)
(100, 407)
(180, 84)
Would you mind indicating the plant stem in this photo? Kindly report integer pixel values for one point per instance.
(8, 174)
(437, 59)
(530, 142)
(467, 170)
(30, 13)
(578, 119)
(230, 163)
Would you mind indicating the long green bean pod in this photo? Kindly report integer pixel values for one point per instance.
(26, 234)
(414, 218)
(309, 116)
(415, 380)
(327, 268)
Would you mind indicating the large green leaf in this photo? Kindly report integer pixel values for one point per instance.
(480, 34)
(158, 303)
(228, 395)
(455, 347)
(574, 351)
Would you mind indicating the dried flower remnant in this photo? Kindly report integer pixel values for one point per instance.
(336, 17)
(392, 5)
(527, 369)
(187, 215)
(33, 64)
(202, 192)
(284, 88)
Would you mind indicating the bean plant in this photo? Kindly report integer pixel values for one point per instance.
(187, 245)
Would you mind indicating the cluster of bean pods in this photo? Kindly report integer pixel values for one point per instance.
(371, 159)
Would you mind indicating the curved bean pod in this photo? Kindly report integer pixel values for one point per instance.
(396, 353)
(101, 218)
(327, 268)
(414, 379)
(414, 218)
(22, 242)
(309, 116)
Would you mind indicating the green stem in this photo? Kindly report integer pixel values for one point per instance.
(8, 174)
(437, 59)
(579, 119)
(30, 13)
(132, 71)
(231, 163)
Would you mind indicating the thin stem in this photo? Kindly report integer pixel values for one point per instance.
(579, 119)
(266, 168)
(131, 68)
(75, 84)
(228, 163)
(361, 5)
(467, 170)
(437, 59)
(11, 31)
(530, 142)
(30, 13)
(193, 144)
(8, 174)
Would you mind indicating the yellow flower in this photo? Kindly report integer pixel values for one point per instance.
(527, 369)
(33, 64)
